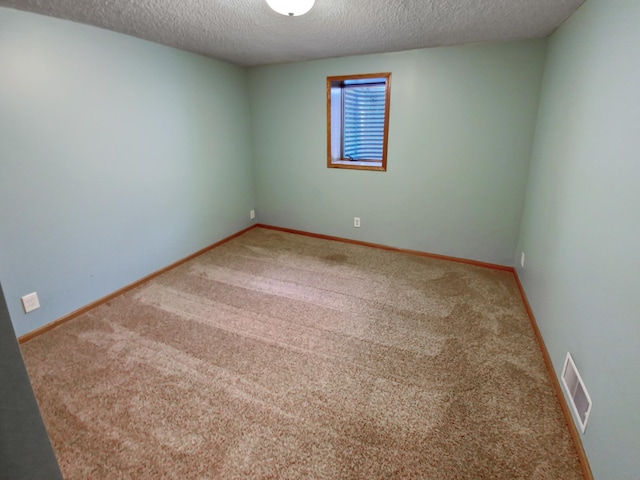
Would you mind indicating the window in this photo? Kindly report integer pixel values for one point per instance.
(358, 121)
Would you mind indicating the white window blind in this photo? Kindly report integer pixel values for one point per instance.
(363, 122)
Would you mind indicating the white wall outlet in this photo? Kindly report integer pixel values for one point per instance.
(522, 259)
(356, 222)
(30, 302)
(252, 214)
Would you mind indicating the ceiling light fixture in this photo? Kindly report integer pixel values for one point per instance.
(291, 8)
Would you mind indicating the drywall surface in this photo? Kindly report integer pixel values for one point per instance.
(461, 128)
(117, 157)
(25, 449)
(581, 223)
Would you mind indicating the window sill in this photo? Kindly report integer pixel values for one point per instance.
(375, 166)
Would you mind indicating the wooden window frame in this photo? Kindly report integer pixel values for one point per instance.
(334, 162)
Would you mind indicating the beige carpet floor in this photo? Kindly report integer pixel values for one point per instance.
(282, 356)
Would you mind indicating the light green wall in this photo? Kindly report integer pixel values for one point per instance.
(581, 223)
(462, 123)
(117, 157)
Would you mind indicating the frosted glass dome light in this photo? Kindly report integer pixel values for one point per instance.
(291, 8)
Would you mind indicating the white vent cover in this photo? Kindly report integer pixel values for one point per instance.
(578, 395)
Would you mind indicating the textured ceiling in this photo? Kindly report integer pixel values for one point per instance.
(248, 32)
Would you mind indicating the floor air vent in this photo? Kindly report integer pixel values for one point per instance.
(578, 395)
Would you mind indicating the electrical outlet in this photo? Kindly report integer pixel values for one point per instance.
(30, 302)
(356, 222)
(522, 259)
(252, 214)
